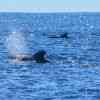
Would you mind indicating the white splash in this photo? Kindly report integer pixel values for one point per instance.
(16, 43)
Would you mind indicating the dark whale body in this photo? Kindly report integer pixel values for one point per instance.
(39, 57)
(64, 35)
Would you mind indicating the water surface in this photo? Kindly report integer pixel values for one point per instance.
(73, 73)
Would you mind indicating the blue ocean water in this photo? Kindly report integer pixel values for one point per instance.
(74, 69)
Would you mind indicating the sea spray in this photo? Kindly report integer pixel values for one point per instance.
(16, 43)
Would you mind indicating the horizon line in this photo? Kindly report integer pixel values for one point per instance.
(47, 11)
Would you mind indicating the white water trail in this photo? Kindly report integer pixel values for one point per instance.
(16, 43)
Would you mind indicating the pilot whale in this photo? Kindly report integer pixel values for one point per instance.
(39, 57)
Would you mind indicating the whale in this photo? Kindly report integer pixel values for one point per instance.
(38, 57)
(64, 35)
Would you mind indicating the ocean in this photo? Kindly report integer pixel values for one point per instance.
(73, 72)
